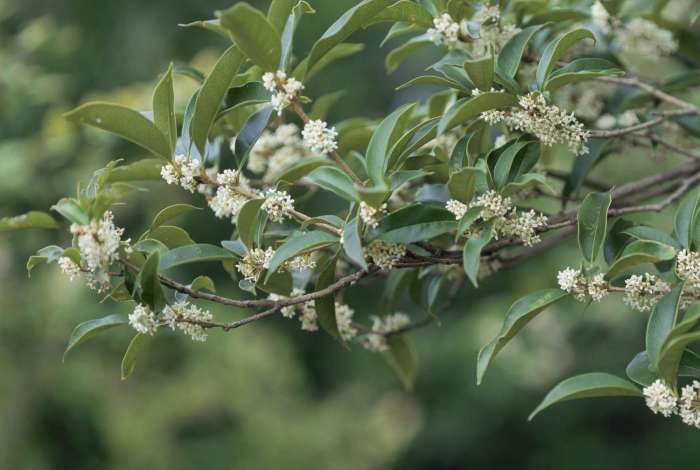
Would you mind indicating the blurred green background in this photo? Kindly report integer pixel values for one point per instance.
(267, 396)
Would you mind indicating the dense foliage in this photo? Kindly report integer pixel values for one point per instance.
(435, 195)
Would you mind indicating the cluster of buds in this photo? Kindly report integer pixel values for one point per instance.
(384, 254)
(285, 90)
(319, 137)
(575, 282)
(381, 327)
(275, 151)
(182, 171)
(662, 399)
(227, 201)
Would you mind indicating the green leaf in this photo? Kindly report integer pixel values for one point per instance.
(429, 80)
(346, 49)
(203, 282)
(594, 384)
(640, 252)
(558, 15)
(405, 11)
(511, 55)
(661, 321)
(209, 25)
(71, 210)
(401, 357)
(33, 219)
(171, 236)
(469, 108)
(462, 184)
(212, 94)
(461, 8)
(297, 244)
(471, 258)
(336, 181)
(687, 219)
(197, 253)
(674, 346)
(481, 71)
(374, 197)
(556, 49)
(148, 283)
(137, 344)
(254, 35)
(241, 97)
(91, 328)
(400, 53)
(278, 13)
(301, 168)
(519, 314)
(639, 370)
(170, 213)
(164, 108)
(249, 135)
(465, 223)
(643, 232)
(124, 122)
(382, 140)
(580, 70)
(322, 105)
(416, 222)
(352, 243)
(526, 181)
(247, 221)
(147, 169)
(592, 222)
(350, 22)
(325, 306)
(583, 165)
(506, 160)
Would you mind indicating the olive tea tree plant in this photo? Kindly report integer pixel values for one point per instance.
(437, 194)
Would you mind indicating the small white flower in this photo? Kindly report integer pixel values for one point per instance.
(457, 208)
(275, 151)
(182, 171)
(343, 318)
(523, 225)
(627, 119)
(69, 267)
(143, 320)
(500, 141)
(643, 292)
(660, 398)
(319, 138)
(646, 38)
(574, 282)
(375, 341)
(385, 254)
(278, 205)
(598, 287)
(288, 311)
(445, 31)
(606, 121)
(301, 263)
(601, 18)
(226, 202)
(184, 315)
(308, 317)
(284, 90)
(370, 215)
(689, 404)
(99, 242)
(255, 262)
(492, 204)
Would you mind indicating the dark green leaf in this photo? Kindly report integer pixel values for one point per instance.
(661, 321)
(90, 329)
(124, 122)
(193, 254)
(469, 108)
(171, 236)
(687, 218)
(170, 213)
(71, 210)
(352, 243)
(401, 356)
(254, 35)
(592, 222)
(580, 70)
(164, 108)
(382, 140)
(471, 258)
(325, 306)
(148, 283)
(481, 71)
(301, 168)
(511, 55)
(137, 344)
(556, 49)
(405, 11)
(297, 244)
(594, 384)
(249, 135)
(416, 222)
(247, 221)
(336, 181)
(462, 184)
(143, 170)
(33, 219)
(640, 252)
(323, 105)
(520, 313)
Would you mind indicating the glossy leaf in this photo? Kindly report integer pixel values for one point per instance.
(278, 12)
(197, 253)
(416, 222)
(640, 252)
(336, 181)
(661, 321)
(556, 49)
(405, 11)
(467, 109)
(136, 346)
(148, 283)
(511, 55)
(30, 220)
(481, 71)
(301, 168)
(471, 256)
(462, 184)
(297, 244)
(91, 328)
(687, 218)
(592, 221)
(383, 138)
(254, 35)
(594, 384)
(519, 315)
(212, 94)
(352, 242)
(247, 221)
(171, 235)
(147, 169)
(164, 107)
(249, 135)
(672, 350)
(325, 306)
(170, 213)
(71, 210)
(124, 122)
(401, 357)
(580, 70)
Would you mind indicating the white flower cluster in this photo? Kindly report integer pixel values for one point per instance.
(301, 263)
(645, 38)
(284, 89)
(688, 269)
(182, 171)
(689, 404)
(143, 320)
(228, 202)
(587, 99)
(608, 121)
(602, 19)
(642, 292)
(574, 282)
(384, 254)
(343, 318)
(306, 310)
(370, 215)
(255, 262)
(493, 31)
(445, 31)
(319, 138)
(278, 205)
(660, 398)
(69, 267)
(275, 151)
(548, 123)
(184, 315)
(510, 223)
(376, 339)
